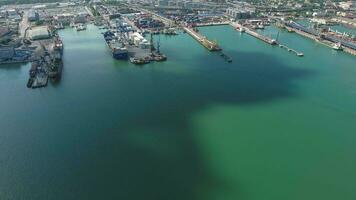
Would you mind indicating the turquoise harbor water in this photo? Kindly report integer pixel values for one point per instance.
(344, 29)
(270, 125)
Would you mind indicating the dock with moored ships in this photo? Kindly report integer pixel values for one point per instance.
(264, 38)
(128, 43)
(329, 39)
(48, 65)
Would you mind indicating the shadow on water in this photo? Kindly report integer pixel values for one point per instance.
(151, 153)
(148, 150)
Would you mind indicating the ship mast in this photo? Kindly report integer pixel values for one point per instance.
(151, 41)
(158, 44)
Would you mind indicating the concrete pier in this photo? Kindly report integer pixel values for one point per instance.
(265, 38)
(210, 45)
(261, 37)
(254, 33)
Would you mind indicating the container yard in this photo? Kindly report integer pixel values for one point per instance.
(125, 38)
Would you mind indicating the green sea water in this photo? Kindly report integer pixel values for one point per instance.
(269, 125)
(344, 29)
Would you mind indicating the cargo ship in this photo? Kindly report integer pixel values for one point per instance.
(118, 49)
(58, 45)
(56, 64)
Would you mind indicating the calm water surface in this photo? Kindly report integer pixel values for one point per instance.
(270, 125)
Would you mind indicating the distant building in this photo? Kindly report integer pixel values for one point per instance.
(80, 19)
(241, 10)
(6, 53)
(4, 31)
(192, 5)
(172, 3)
(33, 15)
(237, 13)
(2, 13)
(39, 7)
(218, 1)
(64, 18)
(163, 2)
(13, 15)
(347, 5)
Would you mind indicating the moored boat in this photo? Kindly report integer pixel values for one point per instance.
(118, 49)
(80, 27)
(337, 46)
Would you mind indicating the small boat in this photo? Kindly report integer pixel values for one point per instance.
(300, 54)
(139, 61)
(159, 57)
(289, 30)
(240, 29)
(80, 27)
(337, 46)
(30, 82)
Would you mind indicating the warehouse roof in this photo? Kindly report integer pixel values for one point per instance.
(39, 32)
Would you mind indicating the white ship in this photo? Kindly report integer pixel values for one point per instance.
(337, 46)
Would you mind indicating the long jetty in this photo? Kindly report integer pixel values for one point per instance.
(261, 37)
(254, 34)
(210, 45)
(265, 38)
(291, 50)
(316, 37)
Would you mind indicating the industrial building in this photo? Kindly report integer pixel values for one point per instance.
(39, 33)
(13, 15)
(140, 41)
(64, 18)
(81, 18)
(33, 15)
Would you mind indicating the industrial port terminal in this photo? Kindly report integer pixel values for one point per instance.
(132, 31)
(177, 99)
(327, 37)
